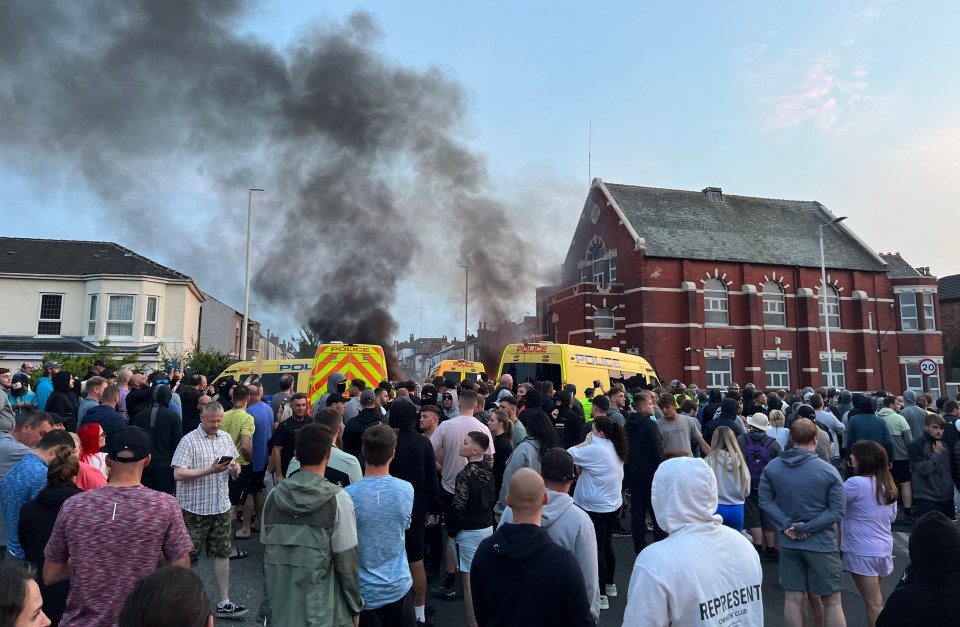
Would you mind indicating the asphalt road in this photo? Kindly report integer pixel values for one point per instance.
(246, 586)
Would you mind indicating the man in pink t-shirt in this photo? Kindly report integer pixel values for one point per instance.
(92, 544)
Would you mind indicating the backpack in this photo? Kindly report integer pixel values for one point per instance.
(758, 456)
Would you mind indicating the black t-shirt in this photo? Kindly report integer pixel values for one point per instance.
(285, 437)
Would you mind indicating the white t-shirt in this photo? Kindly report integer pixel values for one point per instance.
(601, 476)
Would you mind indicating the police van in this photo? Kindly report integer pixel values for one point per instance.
(457, 370)
(354, 361)
(270, 372)
(582, 366)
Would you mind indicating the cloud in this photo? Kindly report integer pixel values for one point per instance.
(824, 97)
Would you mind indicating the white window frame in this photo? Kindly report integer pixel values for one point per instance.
(58, 320)
(716, 303)
(777, 379)
(606, 314)
(839, 374)
(833, 307)
(130, 322)
(612, 268)
(147, 322)
(929, 313)
(909, 315)
(774, 305)
(914, 380)
(719, 377)
(93, 303)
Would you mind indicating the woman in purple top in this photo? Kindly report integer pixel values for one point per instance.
(867, 541)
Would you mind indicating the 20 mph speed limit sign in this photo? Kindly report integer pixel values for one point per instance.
(928, 367)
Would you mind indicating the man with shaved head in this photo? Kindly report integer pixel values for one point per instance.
(519, 575)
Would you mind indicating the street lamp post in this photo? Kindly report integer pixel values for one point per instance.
(466, 307)
(823, 298)
(246, 288)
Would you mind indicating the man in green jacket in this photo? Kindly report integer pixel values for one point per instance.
(309, 532)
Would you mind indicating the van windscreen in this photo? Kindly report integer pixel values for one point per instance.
(271, 382)
(453, 376)
(531, 373)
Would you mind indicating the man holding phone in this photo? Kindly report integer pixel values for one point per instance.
(200, 467)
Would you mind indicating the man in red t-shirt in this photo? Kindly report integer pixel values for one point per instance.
(91, 544)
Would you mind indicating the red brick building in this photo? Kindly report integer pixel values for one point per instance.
(719, 288)
(948, 291)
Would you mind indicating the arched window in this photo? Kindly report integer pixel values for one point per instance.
(774, 305)
(600, 265)
(603, 320)
(715, 307)
(833, 307)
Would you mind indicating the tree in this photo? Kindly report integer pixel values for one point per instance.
(307, 343)
(206, 361)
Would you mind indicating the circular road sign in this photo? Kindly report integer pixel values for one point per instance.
(928, 367)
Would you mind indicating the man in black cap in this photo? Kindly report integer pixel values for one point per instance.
(98, 367)
(112, 553)
(823, 436)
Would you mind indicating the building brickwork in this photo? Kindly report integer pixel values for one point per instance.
(667, 306)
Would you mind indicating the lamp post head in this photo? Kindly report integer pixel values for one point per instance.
(255, 189)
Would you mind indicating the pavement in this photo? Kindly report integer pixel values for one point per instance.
(246, 586)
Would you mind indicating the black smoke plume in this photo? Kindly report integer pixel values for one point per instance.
(365, 161)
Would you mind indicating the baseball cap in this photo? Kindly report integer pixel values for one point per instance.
(52, 364)
(337, 398)
(602, 402)
(557, 465)
(130, 445)
(367, 396)
(449, 384)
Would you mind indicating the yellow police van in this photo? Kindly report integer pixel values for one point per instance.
(582, 366)
(457, 370)
(354, 361)
(270, 372)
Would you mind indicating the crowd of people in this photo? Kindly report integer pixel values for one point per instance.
(513, 488)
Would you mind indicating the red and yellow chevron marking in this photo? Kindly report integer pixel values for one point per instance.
(361, 361)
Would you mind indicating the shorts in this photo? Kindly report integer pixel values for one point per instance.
(901, 470)
(415, 537)
(732, 516)
(753, 514)
(867, 566)
(467, 543)
(213, 530)
(257, 481)
(446, 506)
(240, 485)
(817, 573)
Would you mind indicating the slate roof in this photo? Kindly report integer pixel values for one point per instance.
(686, 224)
(67, 345)
(898, 268)
(46, 257)
(949, 287)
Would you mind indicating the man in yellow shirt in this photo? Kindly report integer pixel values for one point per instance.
(240, 425)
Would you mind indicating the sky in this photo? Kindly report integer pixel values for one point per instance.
(853, 104)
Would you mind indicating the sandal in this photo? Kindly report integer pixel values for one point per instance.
(241, 554)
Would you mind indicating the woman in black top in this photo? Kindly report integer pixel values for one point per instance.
(502, 431)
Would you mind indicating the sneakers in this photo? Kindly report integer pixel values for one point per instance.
(611, 590)
(447, 594)
(604, 602)
(231, 610)
(620, 532)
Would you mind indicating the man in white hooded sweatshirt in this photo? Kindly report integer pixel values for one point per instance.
(704, 573)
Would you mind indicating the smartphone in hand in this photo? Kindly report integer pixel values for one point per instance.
(223, 460)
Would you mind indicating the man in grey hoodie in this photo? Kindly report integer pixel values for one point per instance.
(336, 384)
(803, 495)
(915, 415)
(565, 523)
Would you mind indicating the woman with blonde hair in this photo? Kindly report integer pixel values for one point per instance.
(733, 476)
(777, 429)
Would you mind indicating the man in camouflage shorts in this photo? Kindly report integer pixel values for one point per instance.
(201, 465)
